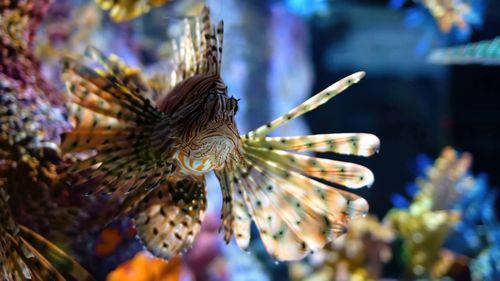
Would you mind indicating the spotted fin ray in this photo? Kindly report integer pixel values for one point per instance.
(61, 261)
(197, 52)
(128, 136)
(277, 187)
(359, 144)
(25, 255)
(115, 68)
(235, 214)
(309, 105)
(20, 262)
(294, 214)
(170, 217)
(338, 172)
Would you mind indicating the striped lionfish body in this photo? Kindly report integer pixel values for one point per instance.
(154, 154)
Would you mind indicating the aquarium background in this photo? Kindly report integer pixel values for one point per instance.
(413, 106)
(277, 54)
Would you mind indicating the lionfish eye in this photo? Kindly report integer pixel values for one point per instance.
(210, 98)
(211, 95)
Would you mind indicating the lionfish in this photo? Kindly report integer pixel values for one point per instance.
(150, 143)
(28, 154)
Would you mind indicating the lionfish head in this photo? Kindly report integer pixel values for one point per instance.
(204, 114)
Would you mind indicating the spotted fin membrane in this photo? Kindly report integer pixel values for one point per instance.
(197, 51)
(277, 188)
(170, 217)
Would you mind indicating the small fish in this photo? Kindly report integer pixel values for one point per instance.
(449, 13)
(154, 154)
(124, 10)
(484, 52)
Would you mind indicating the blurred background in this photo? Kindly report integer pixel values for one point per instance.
(277, 54)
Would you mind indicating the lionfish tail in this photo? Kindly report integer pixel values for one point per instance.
(279, 188)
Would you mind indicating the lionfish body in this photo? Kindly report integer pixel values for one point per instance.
(208, 134)
(154, 157)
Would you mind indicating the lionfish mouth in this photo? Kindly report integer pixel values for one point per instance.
(197, 166)
(205, 158)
